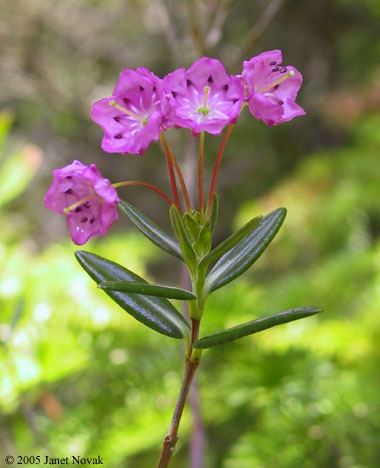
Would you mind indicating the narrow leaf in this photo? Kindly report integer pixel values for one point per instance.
(255, 326)
(230, 242)
(237, 260)
(154, 312)
(150, 229)
(187, 249)
(148, 289)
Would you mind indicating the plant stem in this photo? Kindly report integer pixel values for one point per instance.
(191, 365)
(200, 168)
(131, 183)
(170, 170)
(198, 439)
(218, 161)
(178, 171)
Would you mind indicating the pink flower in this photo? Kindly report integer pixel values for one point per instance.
(88, 200)
(131, 118)
(272, 88)
(202, 98)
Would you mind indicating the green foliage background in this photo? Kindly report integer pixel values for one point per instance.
(80, 377)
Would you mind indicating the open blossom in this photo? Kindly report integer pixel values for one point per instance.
(272, 88)
(202, 98)
(131, 118)
(88, 200)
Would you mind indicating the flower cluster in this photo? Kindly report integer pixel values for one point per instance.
(202, 98)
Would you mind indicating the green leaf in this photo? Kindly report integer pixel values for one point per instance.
(187, 249)
(150, 229)
(148, 289)
(154, 312)
(230, 242)
(255, 326)
(237, 260)
(203, 243)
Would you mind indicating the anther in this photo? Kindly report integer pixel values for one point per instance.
(84, 220)
(77, 205)
(273, 63)
(117, 106)
(206, 91)
(277, 82)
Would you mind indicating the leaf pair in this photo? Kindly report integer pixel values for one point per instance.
(137, 297)
(233, 256)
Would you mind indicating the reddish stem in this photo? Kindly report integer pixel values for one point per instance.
(191, 366)
(218, 161)
(170, 170)
(141, 183)
(200, 168)
(179, 174)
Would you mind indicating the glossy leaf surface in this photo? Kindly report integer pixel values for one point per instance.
(155, 312)
(230, 242)
(148, 289)
(255, 326)
(150, 229)
(237, 260)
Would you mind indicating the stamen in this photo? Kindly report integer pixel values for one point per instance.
(206, 91)
(77, 204)
(276, 82)
(204, 110)
(127, 111)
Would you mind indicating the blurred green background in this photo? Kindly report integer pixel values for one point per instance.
(80, 377)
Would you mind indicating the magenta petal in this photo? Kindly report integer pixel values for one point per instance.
(272, 88)
(265, 109)
(98, 200)
(202, 98)
(132, 117)
(207, 69)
